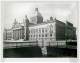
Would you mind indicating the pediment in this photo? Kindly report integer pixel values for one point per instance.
(17, 25)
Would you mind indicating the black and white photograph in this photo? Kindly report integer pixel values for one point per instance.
(39, 29)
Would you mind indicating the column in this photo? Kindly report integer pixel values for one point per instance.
(18, 34)
(15, 34)
(12, 35)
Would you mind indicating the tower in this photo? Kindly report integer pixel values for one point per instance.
(37, 17)
(26, 28)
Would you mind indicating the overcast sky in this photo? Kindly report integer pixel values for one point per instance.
(61, 10)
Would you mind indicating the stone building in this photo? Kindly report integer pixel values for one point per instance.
(70, 31)
(44, 32)
(17, 31)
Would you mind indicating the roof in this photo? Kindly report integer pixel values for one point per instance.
(40, 24)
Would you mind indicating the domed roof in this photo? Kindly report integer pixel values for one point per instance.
(37, 17)
(37, 13)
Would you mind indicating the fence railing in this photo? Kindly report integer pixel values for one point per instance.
(64, 44)
(20, 44)
(58, 43)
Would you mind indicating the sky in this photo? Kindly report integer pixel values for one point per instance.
(62, 10)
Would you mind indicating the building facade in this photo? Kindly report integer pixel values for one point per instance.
(44, 32)
(70, 31)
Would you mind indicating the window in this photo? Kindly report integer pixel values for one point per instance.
(34, 35)
(42, 35)
(39, 31)
(42, 30)
(51, 31)
(39, 35)
(31, 35)
(51, 35)
(45, 35)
